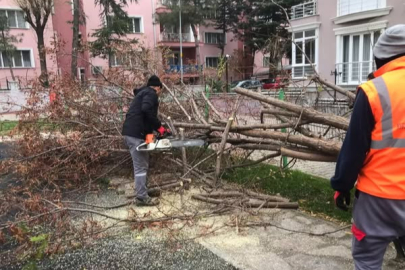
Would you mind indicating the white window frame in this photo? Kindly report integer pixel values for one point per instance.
(205, 62)
(221, 33)
(15, 9)
(22, 59)
(381, 4)
(295, 50)
(141, 25)
(340, 55)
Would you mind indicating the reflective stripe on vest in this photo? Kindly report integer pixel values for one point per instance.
(388, 140)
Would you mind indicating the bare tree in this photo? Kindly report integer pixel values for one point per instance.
(75, 42)
(37, 13)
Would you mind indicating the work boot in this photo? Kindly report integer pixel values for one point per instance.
(146, 202)
(154, 193)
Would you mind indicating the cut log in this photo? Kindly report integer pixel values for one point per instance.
(307, 155)
(265, 197)
(308, 113)
(325, 146)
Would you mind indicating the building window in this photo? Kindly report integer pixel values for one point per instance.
(115, 60)
(214, 38)
(211, 62)
(356, 57)
(307, 41)
(346, 7)
(16, 59)
(15, 18)
(266, 61)
(135, 25)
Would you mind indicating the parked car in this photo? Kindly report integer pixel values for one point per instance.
(274, 83)
(247, 84)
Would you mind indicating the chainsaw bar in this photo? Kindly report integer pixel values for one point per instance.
(186, 143)
(167, 144)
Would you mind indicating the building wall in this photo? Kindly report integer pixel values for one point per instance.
(62, 22)
(329, 29)
(143, 9)
(28, 42)
(259, 67)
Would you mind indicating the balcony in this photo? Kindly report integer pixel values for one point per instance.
(187, 69)
(303, 10)
(354, 73)
(175, 37)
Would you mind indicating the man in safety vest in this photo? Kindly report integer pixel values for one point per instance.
(373, 154)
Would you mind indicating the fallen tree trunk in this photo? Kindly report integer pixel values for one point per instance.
(307, 155)
(262, 204)
(238, 128)
(308, 113)
(327, 147)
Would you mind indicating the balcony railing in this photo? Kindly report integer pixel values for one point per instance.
(346, 7)
(187, 69)
(303, 10)
(175, 37)
(354, 73)
(302, 71)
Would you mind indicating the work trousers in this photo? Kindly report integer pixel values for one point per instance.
(140, 161)
(376, 223)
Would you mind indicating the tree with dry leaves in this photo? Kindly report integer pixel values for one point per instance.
(37, 14)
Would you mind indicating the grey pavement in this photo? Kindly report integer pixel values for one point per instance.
(271, 248)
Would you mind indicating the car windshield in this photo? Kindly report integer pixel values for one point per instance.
(234, 84)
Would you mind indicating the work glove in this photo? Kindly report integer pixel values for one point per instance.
(164, 132)
(342, 200)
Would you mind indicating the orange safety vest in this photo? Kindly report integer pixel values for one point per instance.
(383, 172)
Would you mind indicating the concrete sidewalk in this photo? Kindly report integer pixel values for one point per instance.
(271, 248)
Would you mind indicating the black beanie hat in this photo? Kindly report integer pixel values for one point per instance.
(154, 81)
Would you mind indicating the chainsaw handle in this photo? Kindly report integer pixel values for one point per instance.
(142, 147)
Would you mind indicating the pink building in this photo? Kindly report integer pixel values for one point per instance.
(25, 62)
(148, 31)
(338, 37)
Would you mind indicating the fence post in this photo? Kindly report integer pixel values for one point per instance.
(281, 96)
(207, 94)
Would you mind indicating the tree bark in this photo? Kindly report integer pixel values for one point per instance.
(307, 155)
(324, 146)
(347, 93)
(42, 54)
(197, 48)
(221, 149)
(309, 113)
(5, 45)
(75, 42)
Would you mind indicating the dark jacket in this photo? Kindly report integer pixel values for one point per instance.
(141, 118)
(355, 146)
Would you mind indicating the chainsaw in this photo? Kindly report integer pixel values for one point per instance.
(152, 143)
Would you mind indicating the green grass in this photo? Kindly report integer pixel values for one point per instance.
(313, 194)
(7, 126)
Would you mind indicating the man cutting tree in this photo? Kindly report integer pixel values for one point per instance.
(141, 120)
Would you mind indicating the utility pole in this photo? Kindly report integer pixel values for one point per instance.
(181, 46)
(226, 71)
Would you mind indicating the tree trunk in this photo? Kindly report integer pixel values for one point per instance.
(8, 55)
(42, 54)
(197, 48)
(307, 113)
(75, 42)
